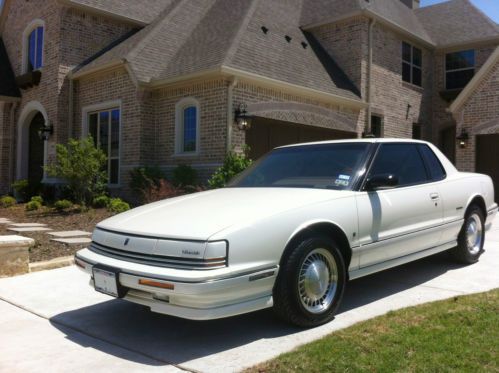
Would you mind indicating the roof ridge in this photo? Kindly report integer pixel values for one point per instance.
(231, 51)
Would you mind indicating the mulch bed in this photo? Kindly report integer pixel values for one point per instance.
(45, 249)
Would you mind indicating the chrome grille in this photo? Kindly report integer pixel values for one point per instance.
(158, 260)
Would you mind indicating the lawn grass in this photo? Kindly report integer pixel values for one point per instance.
(455, 335)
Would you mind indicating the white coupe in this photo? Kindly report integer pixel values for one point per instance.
(290, 231)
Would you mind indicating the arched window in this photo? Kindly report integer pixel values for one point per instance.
(187, 126)
(33, 50)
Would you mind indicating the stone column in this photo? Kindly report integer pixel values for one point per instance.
(14, 255)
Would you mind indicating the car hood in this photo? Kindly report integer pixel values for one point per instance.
(199, 216)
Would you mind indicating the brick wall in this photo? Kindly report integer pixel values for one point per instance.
(481, 108)
(5, 146)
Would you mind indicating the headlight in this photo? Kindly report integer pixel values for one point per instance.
(216, 250)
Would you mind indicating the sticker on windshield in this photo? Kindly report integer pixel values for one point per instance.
(339, 182)
(344, 177)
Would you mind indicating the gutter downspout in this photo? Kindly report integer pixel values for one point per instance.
(11, 146)
(230, 116)
(369, 76)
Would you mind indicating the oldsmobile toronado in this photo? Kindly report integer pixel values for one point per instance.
(291, 230)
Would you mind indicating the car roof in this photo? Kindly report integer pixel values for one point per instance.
(365, 140)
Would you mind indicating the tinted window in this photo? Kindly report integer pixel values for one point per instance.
(436, 169)
(402, 160)
(459, 68)
(324, 166)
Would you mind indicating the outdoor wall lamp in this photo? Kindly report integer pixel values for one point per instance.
(45, 131)
(463, 138)
(242, 118)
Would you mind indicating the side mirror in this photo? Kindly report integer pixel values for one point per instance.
(381, 182)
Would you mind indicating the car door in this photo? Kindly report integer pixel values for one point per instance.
(402, 220)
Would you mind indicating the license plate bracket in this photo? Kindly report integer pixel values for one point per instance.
(106, 281)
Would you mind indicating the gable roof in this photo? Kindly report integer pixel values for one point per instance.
(8, 86)
(143, 11)
(456, 22)
(205, 35)
(491, 63)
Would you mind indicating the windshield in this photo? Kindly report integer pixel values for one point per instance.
(322, 166)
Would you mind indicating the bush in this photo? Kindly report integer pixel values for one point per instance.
(234, 164)
(63, 204)
(38, 199)
(184, 175)
(101, 201)
(164, 190)
(82, 166)
(7, 201)
(117, 205)
(33, 205)
(24, 190)
(145, 179)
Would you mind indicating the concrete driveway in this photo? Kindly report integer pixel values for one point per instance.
(53, 321)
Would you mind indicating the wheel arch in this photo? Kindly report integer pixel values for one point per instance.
(328, 228)
(478, 200)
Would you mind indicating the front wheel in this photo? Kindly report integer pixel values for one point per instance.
(311, 282)
(471, 237)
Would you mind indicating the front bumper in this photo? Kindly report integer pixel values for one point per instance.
(196, 295)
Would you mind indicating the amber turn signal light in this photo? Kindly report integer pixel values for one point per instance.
(156, 284)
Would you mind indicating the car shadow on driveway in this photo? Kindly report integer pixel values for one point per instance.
(171, 340)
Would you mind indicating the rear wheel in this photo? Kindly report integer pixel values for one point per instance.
(471, 237)
(310, 283)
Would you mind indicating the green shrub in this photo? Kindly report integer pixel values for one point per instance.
(184, 175)
(63, 204)
(33, 205)
(101, 201)
(144, 179)
(38, 199)
(82, 166)
(7, 201)
(21, 188)
(117, 205)
(234, 164)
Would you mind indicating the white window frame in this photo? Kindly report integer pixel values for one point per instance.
(412, 65)
(26, 33)
(179, 126)
(106, 106)
(456, 70)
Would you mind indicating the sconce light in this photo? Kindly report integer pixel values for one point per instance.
(463, 138)
(45, 131)
(242, 118)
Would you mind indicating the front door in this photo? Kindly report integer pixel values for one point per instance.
(400, 221)
(36, 150)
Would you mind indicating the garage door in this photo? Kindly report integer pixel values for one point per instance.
(487, 158)
(266, 134)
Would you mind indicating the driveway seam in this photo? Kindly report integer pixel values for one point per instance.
(98, 338)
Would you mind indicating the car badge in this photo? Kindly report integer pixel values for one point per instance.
(127, 241)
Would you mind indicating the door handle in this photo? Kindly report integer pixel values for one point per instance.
(434, 196)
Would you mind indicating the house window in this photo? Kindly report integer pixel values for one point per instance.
(187, 126)
(459, 69)
(35, 49)
(411, 64)
(376, 126)
(104, 127)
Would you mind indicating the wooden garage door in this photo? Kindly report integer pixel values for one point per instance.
(266, 134)
(487, 158)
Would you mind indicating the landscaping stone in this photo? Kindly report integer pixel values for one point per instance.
(29, 229)
(51, 264)
(24, 225)
(66, 234)
(14, 255)
(73, 241)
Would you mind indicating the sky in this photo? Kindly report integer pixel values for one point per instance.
(489, 7)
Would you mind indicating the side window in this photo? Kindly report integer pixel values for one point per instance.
(402, 160)
(437, 171)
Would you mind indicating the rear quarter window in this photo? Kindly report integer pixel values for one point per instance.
(437, 171)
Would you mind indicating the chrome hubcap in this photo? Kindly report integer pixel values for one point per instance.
(318, 281)
(474, 234)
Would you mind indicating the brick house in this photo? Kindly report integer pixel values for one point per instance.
(161, 82)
